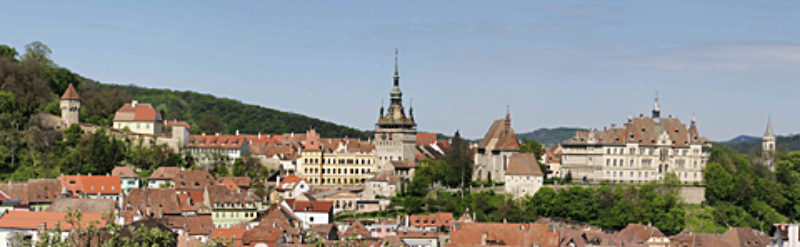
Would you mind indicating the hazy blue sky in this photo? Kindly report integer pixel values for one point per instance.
(582, 64)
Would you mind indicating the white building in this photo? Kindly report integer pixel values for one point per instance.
(70, 105)
(138, 118)
(290, 187)
(523, 176)
(311, 212)
(643, 150)
(215, 149)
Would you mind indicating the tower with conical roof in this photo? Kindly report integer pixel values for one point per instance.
(768, 145)
(395, 132)
(70, 105)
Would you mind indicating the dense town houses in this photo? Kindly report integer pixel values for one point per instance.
(642, 150)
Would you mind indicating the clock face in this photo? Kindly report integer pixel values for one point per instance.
(383, 136)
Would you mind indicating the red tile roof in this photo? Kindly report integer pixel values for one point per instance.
(139, 112)
(90, 185)
(512, 234)
(523, 164)
(165, 172)
(31, 220)
(215, 141)
(124, 172)
(434, 220)
(234, 234)
(290, 181)
(426, 138)
(71, 93)
(310, 206)
(176, 122)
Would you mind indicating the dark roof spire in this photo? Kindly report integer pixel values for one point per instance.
(508, 117)
(396, 70)
(656, 108)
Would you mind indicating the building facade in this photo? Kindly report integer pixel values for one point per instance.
(523, 177)
(643, 150)
(336, 162)
(494, 150)
(217, 149)
(138, 118)
(395, 132)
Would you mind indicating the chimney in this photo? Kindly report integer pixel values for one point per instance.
(216, 134)
(133, 103)
(259, 135)
(204, 134)
(484, 236)
(237, 132)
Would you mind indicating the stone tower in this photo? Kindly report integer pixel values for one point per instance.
(70, 106)
(768, 145)
(395, 132)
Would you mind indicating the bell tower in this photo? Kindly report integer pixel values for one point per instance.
(768, 146)
(70, 106)
(395, 131)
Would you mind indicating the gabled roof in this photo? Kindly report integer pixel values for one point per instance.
(90, 185)
(500, 136)
(222, 194)
(199, 225)
(523, 164)
(124, 172)
(137, 112)
(434, 220)
(83, 205)
(310, 206)
(243, 182)
(165, 172)
(71, 93)
(290, 181)
(30, 220)
(234, 234)
(157, 202)
(193, 180)
(216, 141)
(690, 239)
(512, 234)
(638, 233)
(356, 230)
(745, 237)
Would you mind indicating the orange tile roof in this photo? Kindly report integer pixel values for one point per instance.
(90, 185)
(229, 233)
(434, 220)
(124, 172)
(215, 141)
(290, 181)
(140, 112)
(426, 138)
(31, 220)
(310, 206)
(71, 93)
(165, 172)
(176, 122)
(512, 234)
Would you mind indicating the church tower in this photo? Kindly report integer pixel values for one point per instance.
(768, 145)
(70, 106)
(395, 132)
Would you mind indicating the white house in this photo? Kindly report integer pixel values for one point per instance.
(523, 176)
(290, 187)
(311, 212)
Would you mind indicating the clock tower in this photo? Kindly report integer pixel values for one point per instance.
(395, 132)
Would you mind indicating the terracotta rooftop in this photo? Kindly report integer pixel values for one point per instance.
(424, 139)
(638, 233)
(137, 112)
(434, 220)
(84, 205)
(290, 181)
(165, 172)
(216, 141)
(193, 180)
(90, 185)
(643, 131)
(356, 230)
(228, 234)
(30, 220)
(157, 202)
(176, 122)
(310, 206)
(124, 172)
(512, 234)
(201, 225)
(523, 164)
(500, 136)
(71, 93)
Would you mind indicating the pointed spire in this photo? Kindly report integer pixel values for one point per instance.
(694, 120)
(769, 132)
(630, 116)
(656, 108)
(508, 117)
(411, 109)
(70, 93)
(396, 70)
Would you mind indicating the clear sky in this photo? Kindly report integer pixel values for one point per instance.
(582, 64)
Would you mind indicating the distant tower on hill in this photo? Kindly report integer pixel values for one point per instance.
(70, 106)
(768, 145)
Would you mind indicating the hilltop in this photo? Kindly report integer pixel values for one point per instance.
(752, 144)
(550, 137)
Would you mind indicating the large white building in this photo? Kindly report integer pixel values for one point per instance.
(523, 177)
(642, 150)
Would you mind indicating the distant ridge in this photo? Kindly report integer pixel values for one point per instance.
(550, 137)
(752, 144)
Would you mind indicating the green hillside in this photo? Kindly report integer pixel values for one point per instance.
(784, 144)
(550, 137)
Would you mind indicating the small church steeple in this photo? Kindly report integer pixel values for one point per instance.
(656, 108)
(508, 117)
(768, 145)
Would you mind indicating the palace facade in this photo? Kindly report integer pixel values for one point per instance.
(642, 150)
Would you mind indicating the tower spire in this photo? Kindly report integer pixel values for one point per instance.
(396, 70)
(508, 117)
(656, 108)
(769, 132)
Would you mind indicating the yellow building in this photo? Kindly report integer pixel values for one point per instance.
(336, 161)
